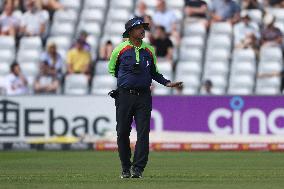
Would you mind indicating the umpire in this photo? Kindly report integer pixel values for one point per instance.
(133, 62)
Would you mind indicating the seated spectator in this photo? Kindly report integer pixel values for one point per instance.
(83, 36)
(106, 50)
(225, 11)
(79, 60)
(46, 81)
(149, 33)
(141, 9)
(250, 4)
(196, 10)
(15, 82)
(34, 20)
(246, 33)
(9, 22)
(271, 35)
(163, 45)
(274, 3)
(206, 88)
(164, 17)
(53, 59)
(51, 5)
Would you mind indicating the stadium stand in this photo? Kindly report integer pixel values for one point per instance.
(204, 52)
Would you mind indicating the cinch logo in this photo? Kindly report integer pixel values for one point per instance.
(241, 120)
(9, 118)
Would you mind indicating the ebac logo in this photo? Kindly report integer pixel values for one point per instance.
(9, 118)
(238, 119)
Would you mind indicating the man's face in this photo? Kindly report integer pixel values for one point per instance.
(138, 32)
(17, 70)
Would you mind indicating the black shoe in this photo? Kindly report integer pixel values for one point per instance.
(125, 174)
(136, 172)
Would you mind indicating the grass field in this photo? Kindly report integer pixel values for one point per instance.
(165, 170)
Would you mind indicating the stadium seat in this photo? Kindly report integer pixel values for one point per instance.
(221, 28)
(268, 67)
(7, 43)
(268, 90)
(244, 55)
(102, 84)
(90, 15)
(4, 68)
(194, 29)
(63, 29)
(90, 4)
(243, 68)
(7, 55)
(114, 28)
(76, 84)
(193, 42)
(219, 41)
(67, 15)
(176, 4)
(126, 4)
(32, 43)
(62, 42)
(271, 54)
(28, 55)
(190, 55)
(188, 68)
(29, 68)
(101, 68)
(159, 89)
(124, 15)
(93, 28)
(218, 55)
(216, 68)
(71, 4)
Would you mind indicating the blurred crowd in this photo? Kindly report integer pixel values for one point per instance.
(33, 17)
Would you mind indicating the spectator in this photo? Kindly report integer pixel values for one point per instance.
(9, 22)
(246, 33)
(106, 50)
(196, 10)
(34, 21)
(271, 35)
(53, 59)
(274, 3)
(250, 4)
(225, 11)
(163, 45)
(164, 17)
(46, 82)
(149, 34)
(206, 88)
(141, 9)
(15, 82)
(83, 36)
(52, 5)
(79, 60)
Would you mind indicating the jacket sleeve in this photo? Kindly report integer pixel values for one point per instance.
(154, 69)
(113, 62)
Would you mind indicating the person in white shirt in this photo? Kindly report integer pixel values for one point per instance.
(164, 17)
(46, 81)
(15, 82)
(34, 20)
(246, 32)
(9, 21)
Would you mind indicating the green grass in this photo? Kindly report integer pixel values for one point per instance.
(176, 170)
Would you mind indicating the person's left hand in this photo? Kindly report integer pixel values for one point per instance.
(174, 84)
